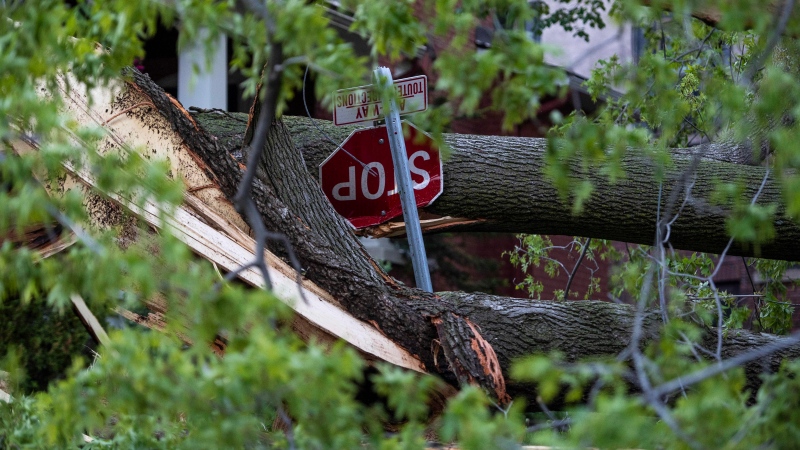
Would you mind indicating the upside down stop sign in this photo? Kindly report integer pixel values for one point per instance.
(358, 178)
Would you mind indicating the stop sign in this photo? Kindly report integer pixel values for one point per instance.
(358, 178)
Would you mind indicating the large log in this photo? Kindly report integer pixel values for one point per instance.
(460, 336)
(497, 183)
(207, 222)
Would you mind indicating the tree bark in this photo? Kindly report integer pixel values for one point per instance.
(497, 184)
(462, 337)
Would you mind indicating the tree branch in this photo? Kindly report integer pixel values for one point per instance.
(732, 363)
(575, 269)
(477, 328)
(521, 195)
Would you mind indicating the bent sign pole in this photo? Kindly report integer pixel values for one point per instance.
(419, 259)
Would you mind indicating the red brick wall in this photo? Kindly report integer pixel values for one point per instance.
(503, 276)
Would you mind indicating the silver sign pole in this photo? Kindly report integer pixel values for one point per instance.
(401, 173)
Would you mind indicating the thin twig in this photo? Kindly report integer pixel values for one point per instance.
(243, 198)
(544, 408)
(665, 415)
(287, 422)
(728, 364)
(274, 74)
(557, 424)
(575, 269)
(718, 302)
(782, 20)
(757, 302)
(200, 188)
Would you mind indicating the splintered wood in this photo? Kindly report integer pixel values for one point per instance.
(207, 222)
(398, 229)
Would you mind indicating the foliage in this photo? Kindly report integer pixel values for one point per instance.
(169, 390)
(47, 343)
(692, 84)
(149, 389)
(718, 403)
(573, 16)
(707, 75)
(774, 311)
(535, 250)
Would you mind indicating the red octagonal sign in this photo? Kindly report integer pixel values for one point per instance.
(358, 178)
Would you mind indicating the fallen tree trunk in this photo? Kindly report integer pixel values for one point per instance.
(206, 222)
(496, 183)
(462, 337)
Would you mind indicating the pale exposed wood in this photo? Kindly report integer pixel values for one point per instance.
(218, 247)
(4, 396)
(152, 321)
(397, 229)
(208, 223)
(89, 320)
(32, 236)
(219, 223)
(132, 124)
(58, 246)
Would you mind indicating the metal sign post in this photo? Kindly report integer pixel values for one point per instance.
(419, 259)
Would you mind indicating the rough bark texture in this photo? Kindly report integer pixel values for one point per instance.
(501, 180)
(460, 336)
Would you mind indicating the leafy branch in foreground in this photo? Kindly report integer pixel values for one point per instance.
(668, 377)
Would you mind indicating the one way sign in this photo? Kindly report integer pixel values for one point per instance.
(363, 104)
